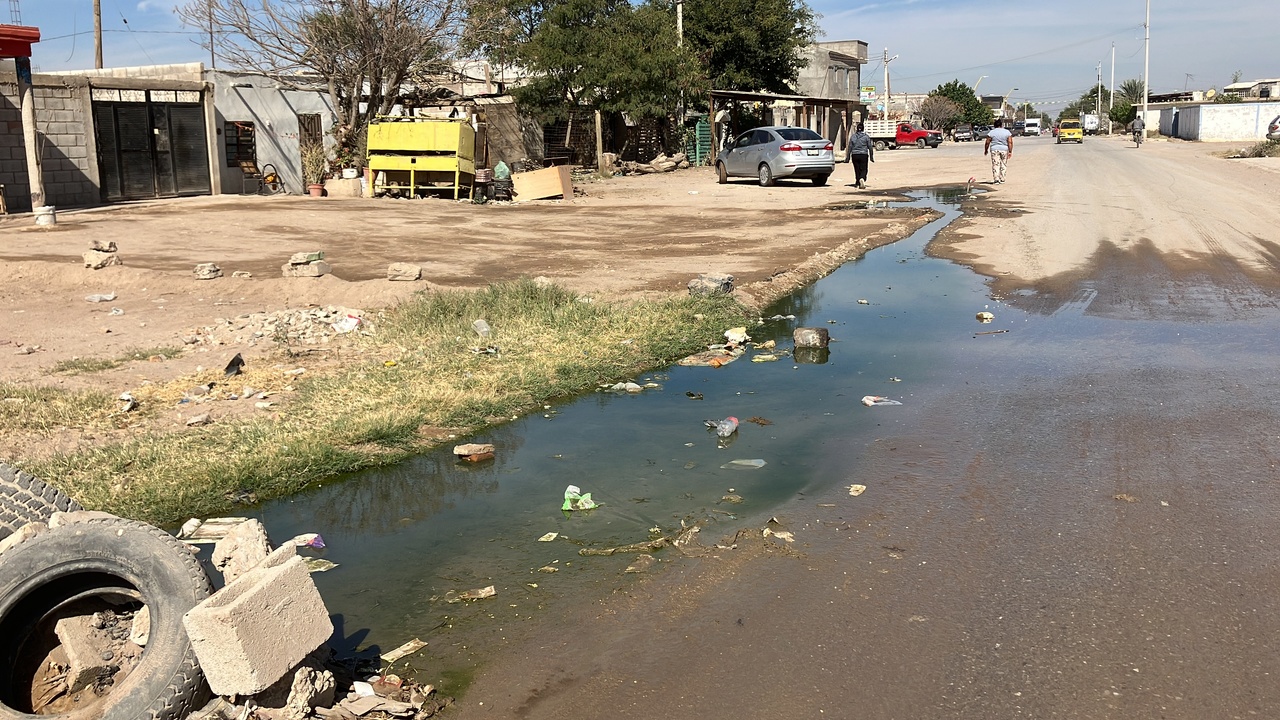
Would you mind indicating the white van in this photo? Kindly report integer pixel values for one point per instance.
(1032, 127)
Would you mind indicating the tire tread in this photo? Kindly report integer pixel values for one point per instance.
(24, 498)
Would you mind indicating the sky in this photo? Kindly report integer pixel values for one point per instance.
(1049, 51)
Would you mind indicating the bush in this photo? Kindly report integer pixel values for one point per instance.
(1269, 148)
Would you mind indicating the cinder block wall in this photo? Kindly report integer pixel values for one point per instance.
(66, 139)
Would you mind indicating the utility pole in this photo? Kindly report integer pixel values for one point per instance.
(97, 34)
(1111, 101)
(213, 53)
(887, 60)
(1146, 62)
(1097, 102)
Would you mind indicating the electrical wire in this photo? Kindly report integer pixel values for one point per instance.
(1112, 33)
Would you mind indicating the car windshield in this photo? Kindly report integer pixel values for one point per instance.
(1070, 125)
(798, 134)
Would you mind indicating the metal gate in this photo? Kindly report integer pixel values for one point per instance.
(151, 143)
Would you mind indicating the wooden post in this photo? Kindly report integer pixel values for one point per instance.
(599, 147)
(35, 175)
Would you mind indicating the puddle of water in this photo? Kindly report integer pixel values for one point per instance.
(406, 535)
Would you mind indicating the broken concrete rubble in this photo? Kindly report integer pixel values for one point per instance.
(711, 284)
(241, 549)
(403, 271)
(258, 627)
(96, 260)
(207, 271)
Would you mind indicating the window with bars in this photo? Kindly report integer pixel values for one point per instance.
(238, 136)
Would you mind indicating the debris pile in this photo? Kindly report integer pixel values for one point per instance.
(306, 326)
(207, 271)
(306, 264)
(660, 164)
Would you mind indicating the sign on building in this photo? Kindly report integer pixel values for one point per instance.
(867, 93)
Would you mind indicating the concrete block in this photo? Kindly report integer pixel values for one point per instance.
(711, 284)
(342, 187)
(404, 271)
(257, 628)
(242, 548)
(312, 269)
(811, 337)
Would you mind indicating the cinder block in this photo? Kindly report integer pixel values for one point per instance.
(257, 628)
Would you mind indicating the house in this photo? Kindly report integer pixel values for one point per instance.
(1259, 89)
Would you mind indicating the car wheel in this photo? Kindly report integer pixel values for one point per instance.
(25, 499)
(920, 142)
(766, 175)
(722, 175)
(879, 145)
(820, 180)
(113, 568)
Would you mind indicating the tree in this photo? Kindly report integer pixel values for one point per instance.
(1123, 113)
(363, 51)
(940, 113)
(750, 45)
(1131, 91)
(606, 55)
(971, 108)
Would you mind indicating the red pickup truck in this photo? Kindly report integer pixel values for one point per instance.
(892, 133)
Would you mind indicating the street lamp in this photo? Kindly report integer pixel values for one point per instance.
(1005, 100)
(975, 86)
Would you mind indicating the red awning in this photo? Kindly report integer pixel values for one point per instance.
(16, 40)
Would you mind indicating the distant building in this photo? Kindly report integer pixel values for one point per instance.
(834, 70)
(1260, 89)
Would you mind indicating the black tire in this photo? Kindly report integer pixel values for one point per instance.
(722, 174)
(920, 143)
(117, 563)
(820, 180)
(766, 175)
(880, 145)
(24, 499)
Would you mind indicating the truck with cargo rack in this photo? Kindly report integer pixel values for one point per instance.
(889, 134)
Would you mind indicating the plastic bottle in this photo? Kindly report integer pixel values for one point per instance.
(482, 328)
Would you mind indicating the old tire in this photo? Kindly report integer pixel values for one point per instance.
(115, 563)
(722, 174)
(24, 498)
(766, 175)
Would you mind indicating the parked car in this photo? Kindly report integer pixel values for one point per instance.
(770, 153)
(1070, 130)
(980, 131)
(963, 133)
(1273, 130)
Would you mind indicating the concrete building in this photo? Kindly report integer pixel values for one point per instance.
(1215, 121)
(1260, 89)
(834, 70)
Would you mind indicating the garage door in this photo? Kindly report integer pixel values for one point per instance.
(151, 143)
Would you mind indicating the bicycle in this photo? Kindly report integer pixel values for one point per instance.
(1137, 137)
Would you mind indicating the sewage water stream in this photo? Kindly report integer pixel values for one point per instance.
(405, 536)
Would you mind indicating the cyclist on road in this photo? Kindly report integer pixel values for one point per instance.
(1139, 130)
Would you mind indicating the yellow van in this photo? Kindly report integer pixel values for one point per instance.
(1070, 130)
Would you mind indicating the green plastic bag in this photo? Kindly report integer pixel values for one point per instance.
(575, 499)
(501, 171)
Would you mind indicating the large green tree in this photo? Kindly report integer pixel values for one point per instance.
(750, 44)
(971, 108)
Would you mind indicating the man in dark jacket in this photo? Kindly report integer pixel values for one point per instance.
(861, 152)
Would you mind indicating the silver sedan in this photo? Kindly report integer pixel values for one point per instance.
(769, 153)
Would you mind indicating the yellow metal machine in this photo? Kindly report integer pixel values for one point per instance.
(419, 155)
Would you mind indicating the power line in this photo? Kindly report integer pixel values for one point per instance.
(1112, 33)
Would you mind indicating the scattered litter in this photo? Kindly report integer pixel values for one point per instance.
(767, 345)
(477, 594)
(641, 564)
(1125, 497)
(862, 301)
(693, 395)
(575, 499)
(895, 379)
(990, 332)
(715, 357)
(549, 537)
(646, 546)
(130, 404)
(743, 464)
(781, 317)
(628, 387)
(490, 350)
(362, 689)
(548, 569)
(725, 427)
(759, 420)
(856, 490)
(316, 565)
(235, 366)
(26, 349)
(785, 535)
(732, 499)
(876, 400)
(764, 357)
(263, 405)
(201, 419)
(116, 311)
(295, 371)
(100, 297)
(737, 335)
(482, 329)
(404, 650)
(985, 317)
(346, 324)
(310, 540)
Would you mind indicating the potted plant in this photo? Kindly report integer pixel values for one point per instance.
(314, 165)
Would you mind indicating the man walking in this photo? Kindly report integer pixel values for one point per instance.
(1000, 146)
(861, 151)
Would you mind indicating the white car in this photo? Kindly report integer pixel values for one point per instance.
(1273, 130)
(770, 153)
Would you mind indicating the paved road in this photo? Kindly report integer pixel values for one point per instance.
(1079, 520)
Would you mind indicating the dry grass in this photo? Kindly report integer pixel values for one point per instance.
(76, 366)
(417, 371)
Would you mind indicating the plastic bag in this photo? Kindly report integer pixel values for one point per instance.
(575, 499)
(501, 171)
(874, 400)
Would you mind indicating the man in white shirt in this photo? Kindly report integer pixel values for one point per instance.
(1000, 146)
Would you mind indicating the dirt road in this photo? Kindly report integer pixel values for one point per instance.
(1077, 522)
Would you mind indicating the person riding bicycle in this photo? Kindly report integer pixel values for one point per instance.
(1139, 129)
